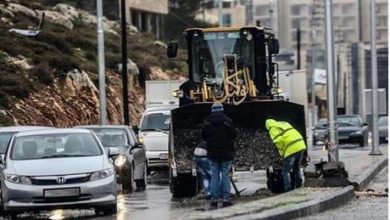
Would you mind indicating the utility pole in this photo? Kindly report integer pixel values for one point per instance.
(102, 80)
(125, 78)
(331, 75)
(271, 11)
(313, 80)
(298, 48)
(220, 13)
(374, 74)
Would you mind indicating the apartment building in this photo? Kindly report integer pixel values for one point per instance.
(381, 21)
(145, 15)
(351, 20)
(233, 13)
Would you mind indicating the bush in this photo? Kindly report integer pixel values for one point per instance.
(4, 100)
(63, 63)
(43, 74)
(5, 120)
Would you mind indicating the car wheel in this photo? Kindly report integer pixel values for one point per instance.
(141, 183)
(361, 143)
(128, 184)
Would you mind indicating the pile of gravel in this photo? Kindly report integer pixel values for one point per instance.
(253, 147)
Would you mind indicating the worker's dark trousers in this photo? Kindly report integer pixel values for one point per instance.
(291, 173)
(220, 181)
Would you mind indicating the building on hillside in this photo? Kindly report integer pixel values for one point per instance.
(145, 15)
(233, 13)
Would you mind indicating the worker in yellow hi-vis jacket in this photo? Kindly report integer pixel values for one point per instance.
(291, 146)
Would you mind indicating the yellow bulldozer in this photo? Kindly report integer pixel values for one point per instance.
(233, 66)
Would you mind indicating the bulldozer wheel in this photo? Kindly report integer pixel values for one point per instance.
(184, 185)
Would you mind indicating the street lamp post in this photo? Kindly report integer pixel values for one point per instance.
(331, 75)
(374, 79)
(125, 77)
(102, 80)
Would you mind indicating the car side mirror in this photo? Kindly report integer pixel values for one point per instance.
(172, 49)
(2, 159)
(365, 124)
(137, 146)
(135, 129)
(113, 151)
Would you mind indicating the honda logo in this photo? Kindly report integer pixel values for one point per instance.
(61, 180)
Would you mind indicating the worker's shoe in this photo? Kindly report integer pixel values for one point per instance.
(227, 204)
(214, 204)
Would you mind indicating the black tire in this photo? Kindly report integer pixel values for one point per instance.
(128, 183)
(141, 183)
(361, 142)
(184, 185)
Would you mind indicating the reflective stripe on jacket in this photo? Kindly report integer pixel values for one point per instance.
(286, 138)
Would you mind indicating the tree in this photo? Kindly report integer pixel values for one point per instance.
(182, 15)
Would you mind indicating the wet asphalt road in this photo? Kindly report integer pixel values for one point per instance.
(363, 206)
(156, 201)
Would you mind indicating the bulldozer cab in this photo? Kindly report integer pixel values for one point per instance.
(219, 57)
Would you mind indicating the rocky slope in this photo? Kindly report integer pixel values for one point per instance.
(51, 79)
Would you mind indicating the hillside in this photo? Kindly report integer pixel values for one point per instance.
(51, 79)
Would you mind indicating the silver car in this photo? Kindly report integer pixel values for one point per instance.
(154, 133)
(56, 168)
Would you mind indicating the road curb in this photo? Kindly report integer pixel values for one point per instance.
(311, 207)
(321, 204)
(369, 174)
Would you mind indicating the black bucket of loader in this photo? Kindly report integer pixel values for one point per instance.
(254, 149)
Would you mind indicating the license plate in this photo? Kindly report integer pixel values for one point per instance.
(163, 156)
(343, 137)
(54, 193)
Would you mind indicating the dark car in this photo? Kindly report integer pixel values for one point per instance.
(352, 130)
(383, 129)
(130, 164)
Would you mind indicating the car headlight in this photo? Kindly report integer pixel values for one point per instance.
(17, 179)
(102, 174)
(120, 161)
(141, 139)
(358, 132)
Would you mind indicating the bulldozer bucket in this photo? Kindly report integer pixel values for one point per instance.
(254, 148)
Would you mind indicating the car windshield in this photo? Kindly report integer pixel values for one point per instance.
(156, 121)
(55, 145)
(383, 121)
(4, 139)
(349, 121)
(111, 137)
(210, 48)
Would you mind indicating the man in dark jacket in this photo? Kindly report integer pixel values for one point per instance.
(218, 131)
